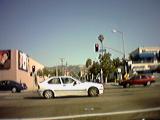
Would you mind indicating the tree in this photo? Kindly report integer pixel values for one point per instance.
(117, 63)
(39, 72)
(88, 62)
(88, 65)
(52, 72)
(95, 69)
(45, 71)
(106, 65)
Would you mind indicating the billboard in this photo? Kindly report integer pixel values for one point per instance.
(23, 61)
(5, 59)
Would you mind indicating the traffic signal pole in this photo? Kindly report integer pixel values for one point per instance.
(101, 38)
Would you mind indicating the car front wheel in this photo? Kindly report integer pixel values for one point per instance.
(48, 94)
(127, 85)
(14, 90)
(93, 91)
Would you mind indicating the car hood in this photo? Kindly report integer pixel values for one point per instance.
(93, 84)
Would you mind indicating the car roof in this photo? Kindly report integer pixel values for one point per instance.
(13, 81)
(61, 77)
(9, 80)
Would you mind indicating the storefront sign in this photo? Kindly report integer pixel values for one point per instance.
(5, 59)
(23, 61)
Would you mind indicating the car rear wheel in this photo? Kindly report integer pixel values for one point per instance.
(127, 85)
(93, 91)
(48, 94)
(147, 83)
(14, 90)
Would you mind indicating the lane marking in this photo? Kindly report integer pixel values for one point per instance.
(97, 114)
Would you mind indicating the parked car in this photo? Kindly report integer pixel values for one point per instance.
(145, 80)
(68, 86)
(10, 85)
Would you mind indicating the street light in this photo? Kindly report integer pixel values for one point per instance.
(117, 31)
(120, 32)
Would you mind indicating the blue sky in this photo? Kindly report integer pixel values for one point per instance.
(48, 30)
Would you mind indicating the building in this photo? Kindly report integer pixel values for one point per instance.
(145, 59)
(18, 66)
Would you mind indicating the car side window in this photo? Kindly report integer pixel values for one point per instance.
(54, 81)
(67, 80)
(137, 77)
(133, 78)
(4, 83)
(1, 83)
(7, 82)
(143, 77)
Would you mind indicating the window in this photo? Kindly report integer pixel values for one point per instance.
(54, 81)
(1, 83)
(135, 78)
(143, 77)
(67, 80)
(7, 82)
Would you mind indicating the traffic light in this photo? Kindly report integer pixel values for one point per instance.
(96, 47)
(33, 68)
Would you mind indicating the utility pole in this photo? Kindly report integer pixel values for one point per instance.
(66, 70)
(62, 60)
(56, 70)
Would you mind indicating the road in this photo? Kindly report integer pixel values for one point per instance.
(135, 103)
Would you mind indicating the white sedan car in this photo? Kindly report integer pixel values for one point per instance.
(68, 86)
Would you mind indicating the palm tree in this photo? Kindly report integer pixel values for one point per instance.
(88, 65)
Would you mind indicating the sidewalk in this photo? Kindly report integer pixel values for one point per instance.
(111, 85)
(115, 85)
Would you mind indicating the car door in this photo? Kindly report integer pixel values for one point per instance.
(72, 87)
(1, 85)
(4, 85)
(56, 85)
(67, 86)
(144, 79)
(136, 80)
(9, 85)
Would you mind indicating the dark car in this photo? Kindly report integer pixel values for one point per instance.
(9, 85)
(145, 80)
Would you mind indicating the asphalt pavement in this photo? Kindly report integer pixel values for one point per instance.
(134, 103)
